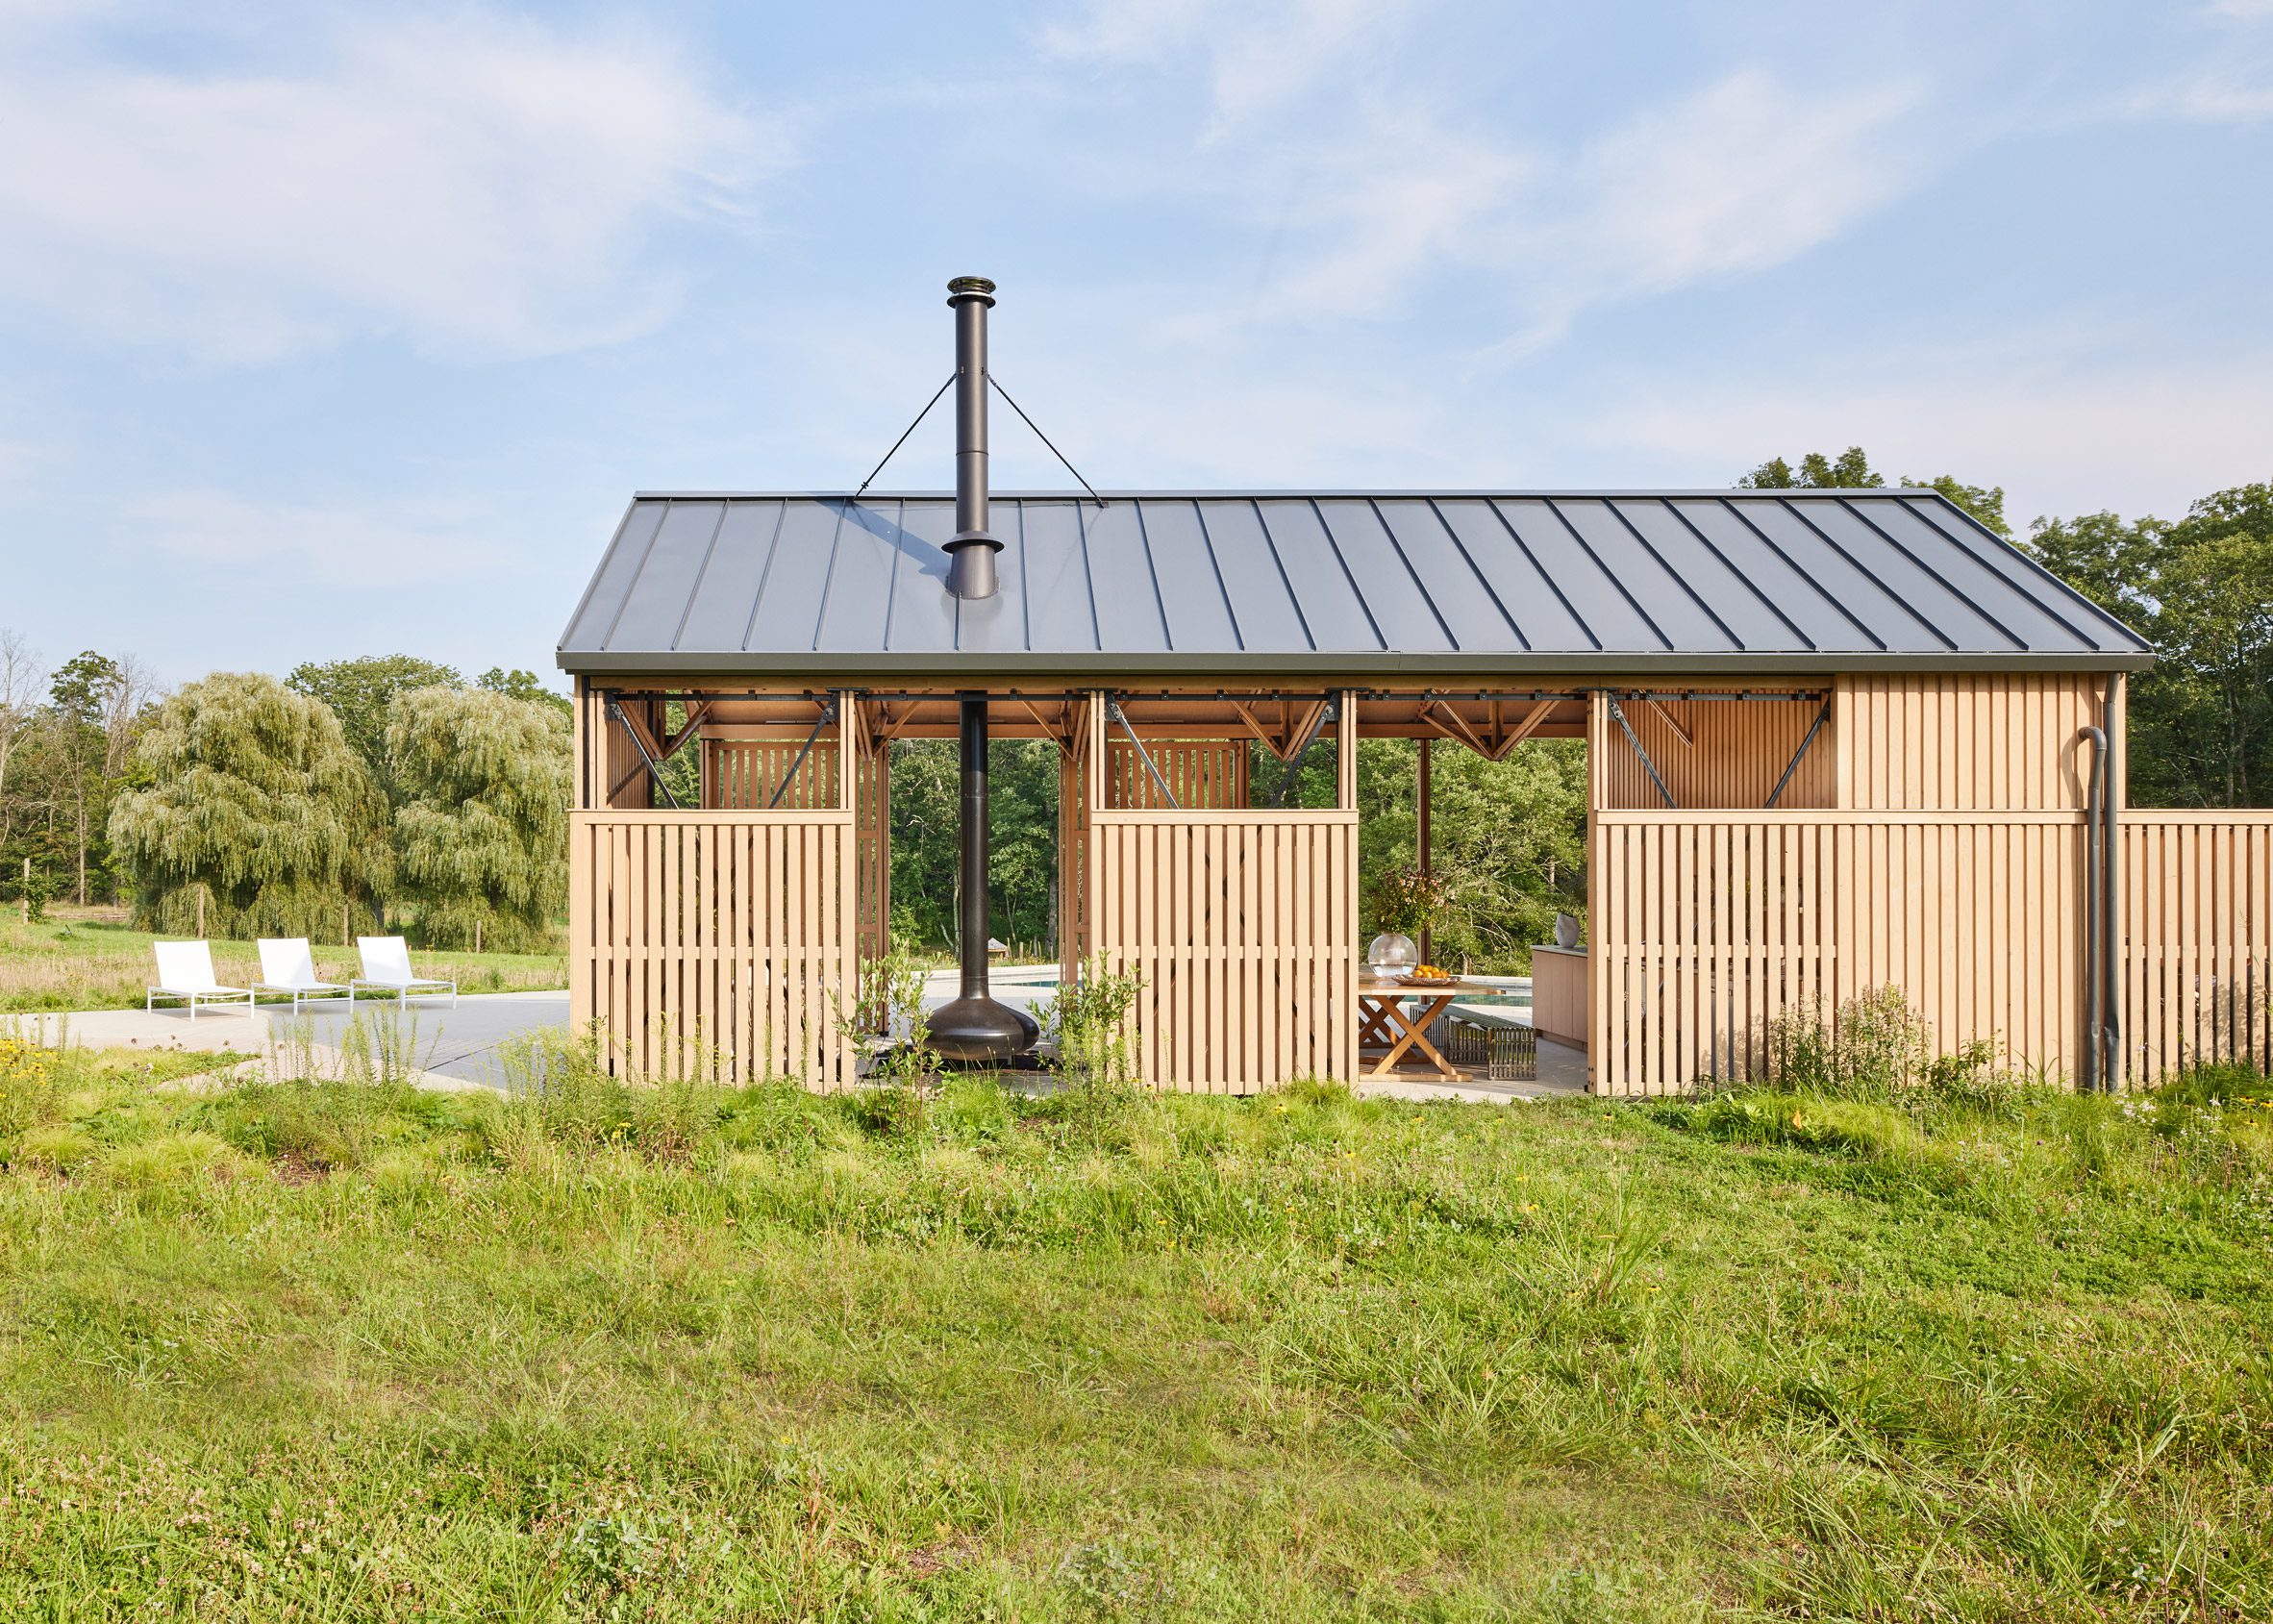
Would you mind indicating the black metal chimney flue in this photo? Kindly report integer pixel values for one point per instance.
(970, 554)
(974, 1027)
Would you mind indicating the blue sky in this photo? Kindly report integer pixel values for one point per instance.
(340, 330)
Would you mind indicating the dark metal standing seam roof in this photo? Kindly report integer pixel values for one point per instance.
(1347, 584)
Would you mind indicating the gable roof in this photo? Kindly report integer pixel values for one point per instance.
(1349, 583)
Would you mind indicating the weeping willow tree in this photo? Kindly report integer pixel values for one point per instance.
(250, 816)
(482, 836)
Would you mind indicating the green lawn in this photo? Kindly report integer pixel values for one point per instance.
(351, 1351)
(89, 965)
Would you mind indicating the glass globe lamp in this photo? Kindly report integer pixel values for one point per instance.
(1391, 954)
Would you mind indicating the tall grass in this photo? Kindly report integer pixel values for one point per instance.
(310, 1346)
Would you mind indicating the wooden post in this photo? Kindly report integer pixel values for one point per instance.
(1421, 833)
(1346, 754)
(201, 908)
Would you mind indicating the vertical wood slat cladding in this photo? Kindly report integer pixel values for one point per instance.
(1243, 927)
(1734, 753)
(1708, 927)
(718, 945)
(1963, 743)
(1207, 773)
(742, 774)
(2195, 922)
(1241, 924)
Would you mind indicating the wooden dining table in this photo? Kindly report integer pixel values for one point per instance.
(1383, 1021)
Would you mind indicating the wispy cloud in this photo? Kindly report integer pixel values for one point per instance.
(1743, 175)
(380, 542)
(1388, 202)
(2226, 92)
(465, 181)
(1256, 54)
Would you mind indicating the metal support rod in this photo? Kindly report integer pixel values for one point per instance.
(827, 714)
(903, 439)
(616, 714)
(1113, 711)
(1797, 756)
(687, 734)
(1045, 439)
(1618, 715)
(1330, 712)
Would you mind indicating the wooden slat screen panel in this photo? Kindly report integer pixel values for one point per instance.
(1965, 743)
(1735, 752)
(1207, 773)
(714, 943)
(1706, 927)
(742, 774)
(1243, 926)
(2195, 921)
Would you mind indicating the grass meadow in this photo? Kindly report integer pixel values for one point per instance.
(96, 964)
(281, 1349)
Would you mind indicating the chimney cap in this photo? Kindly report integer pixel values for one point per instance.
(961, 287)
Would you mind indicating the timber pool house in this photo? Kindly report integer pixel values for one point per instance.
(1836, 739)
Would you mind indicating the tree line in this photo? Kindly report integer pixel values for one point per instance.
(392, 788)
(351, 795)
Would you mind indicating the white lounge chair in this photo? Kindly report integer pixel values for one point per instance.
(185, 971)
(386, 969)
(287, 965)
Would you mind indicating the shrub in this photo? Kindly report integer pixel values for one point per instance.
(1090, 1024)
(888, 1005)
(1872, 1047)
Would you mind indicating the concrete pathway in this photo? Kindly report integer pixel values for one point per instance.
(448, 1047)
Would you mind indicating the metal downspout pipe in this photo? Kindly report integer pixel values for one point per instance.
(2103, 1031)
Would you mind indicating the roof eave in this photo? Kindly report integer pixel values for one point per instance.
(1095, 669)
